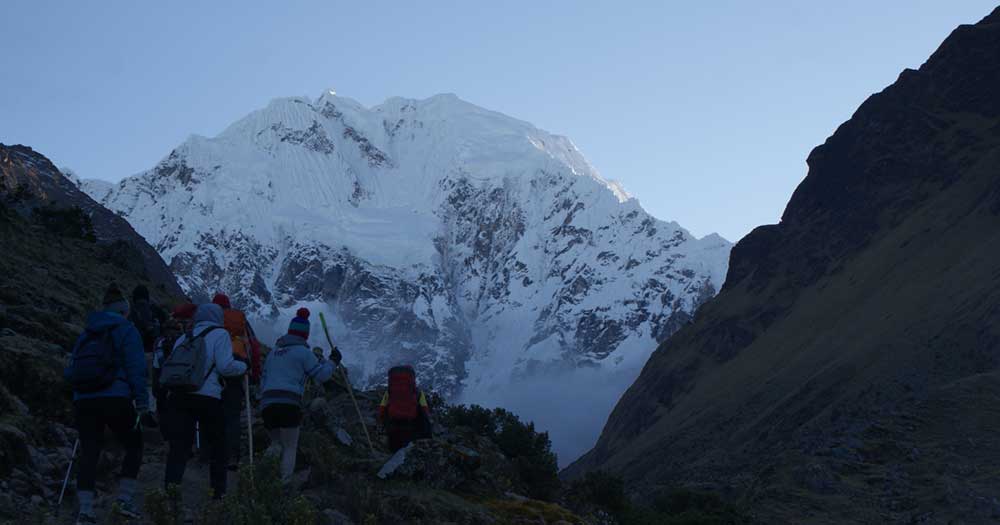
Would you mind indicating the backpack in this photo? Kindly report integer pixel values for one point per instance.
(95, 362)
(184, 369)
(236, 324)
(404, 398)
(147, 323)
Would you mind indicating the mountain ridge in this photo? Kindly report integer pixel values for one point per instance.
(853, 348)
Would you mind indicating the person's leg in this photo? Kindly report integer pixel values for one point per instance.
(121, 417)
(210, 417)
(289, 448)
(180, 422)
(232, 405)
(271, 423)
(90, 427)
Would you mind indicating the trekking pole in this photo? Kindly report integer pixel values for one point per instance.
(350, 390)
(197, 435)
(246, 391)
(69, 469)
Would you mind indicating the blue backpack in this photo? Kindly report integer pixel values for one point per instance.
(95, 362)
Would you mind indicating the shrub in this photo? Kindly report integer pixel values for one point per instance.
(599, 489)
(259, 498)
(67, 222)
(531, 451)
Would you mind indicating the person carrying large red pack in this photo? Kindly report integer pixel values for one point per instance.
(404, 411)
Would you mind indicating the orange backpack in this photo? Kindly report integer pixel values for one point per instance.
(236, 324)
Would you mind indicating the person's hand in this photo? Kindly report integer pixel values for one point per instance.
(335, 356)
(143, 417)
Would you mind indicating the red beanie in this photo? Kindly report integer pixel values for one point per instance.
(222, 300)
(184, 311)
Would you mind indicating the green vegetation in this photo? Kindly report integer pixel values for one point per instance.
(67, 222)
(601, 492)
(529, 450)
(259, 498)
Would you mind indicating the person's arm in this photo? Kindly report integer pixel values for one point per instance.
(134, 360)
(222, 349)
(423, 404)
(316, 369)
(383, 407)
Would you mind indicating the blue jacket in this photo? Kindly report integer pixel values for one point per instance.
(131, 381)
(286, 369)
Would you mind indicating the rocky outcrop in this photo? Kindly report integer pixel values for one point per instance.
(855, 345)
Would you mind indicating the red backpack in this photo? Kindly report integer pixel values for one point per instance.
(404, 399)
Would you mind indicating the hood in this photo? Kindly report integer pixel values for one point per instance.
(209, 313)
(101, 321)
(291, 340)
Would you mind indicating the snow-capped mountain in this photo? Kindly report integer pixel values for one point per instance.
(473, 245)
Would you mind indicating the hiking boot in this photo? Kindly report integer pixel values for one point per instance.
(86, 519)
(127, 509)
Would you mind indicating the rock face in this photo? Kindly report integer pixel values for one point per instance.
(849, 364)
(472, 245)
(29, 180)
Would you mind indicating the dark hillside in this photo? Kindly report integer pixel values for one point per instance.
(29, 182)
(847, 372)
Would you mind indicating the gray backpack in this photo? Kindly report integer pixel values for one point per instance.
(187, 367)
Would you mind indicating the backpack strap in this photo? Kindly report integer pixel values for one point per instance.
(202, 335)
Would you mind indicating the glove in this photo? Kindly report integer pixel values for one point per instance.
(335, 355)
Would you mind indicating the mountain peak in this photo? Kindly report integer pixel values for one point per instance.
(434, 232)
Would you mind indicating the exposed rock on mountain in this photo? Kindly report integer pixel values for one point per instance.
(847, 371)
(29, 181)
(470, 244)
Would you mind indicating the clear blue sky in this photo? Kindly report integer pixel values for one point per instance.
(704, 110)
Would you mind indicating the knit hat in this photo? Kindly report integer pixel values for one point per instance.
(184, 311)
(114, 299)
(300, 324)
(222, 300)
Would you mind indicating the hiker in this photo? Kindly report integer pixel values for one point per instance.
(107, 370)
(180, 322)
(404, 411)
(235, 322)
(193, 374)
(286, 370)
(146, 316)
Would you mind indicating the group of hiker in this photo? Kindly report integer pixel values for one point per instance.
(203, 360)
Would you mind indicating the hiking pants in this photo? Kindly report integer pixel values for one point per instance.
(183, 411)
(232, 406)
(92, 416)
(283, 422)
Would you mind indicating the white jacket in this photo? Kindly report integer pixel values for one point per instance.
(219, 349)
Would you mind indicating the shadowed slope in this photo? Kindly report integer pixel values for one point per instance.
(850, 362)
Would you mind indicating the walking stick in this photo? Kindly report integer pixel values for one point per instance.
(246, 393)
(68, 470)
(350, 390)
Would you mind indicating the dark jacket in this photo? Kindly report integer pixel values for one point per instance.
(131, 381)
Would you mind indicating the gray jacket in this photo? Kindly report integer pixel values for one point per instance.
(286, 369)
(220, 349)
